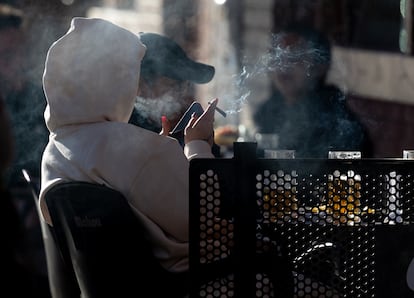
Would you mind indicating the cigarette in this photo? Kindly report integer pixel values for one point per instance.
(223, 113)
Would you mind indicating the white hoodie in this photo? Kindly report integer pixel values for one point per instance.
(90, 81)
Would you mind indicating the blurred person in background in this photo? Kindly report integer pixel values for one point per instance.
(23, 98)
(149, 168)
(304, 112)
(22, 136)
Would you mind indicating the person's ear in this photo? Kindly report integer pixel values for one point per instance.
(143, 88)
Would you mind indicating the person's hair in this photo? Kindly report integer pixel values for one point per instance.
(297, 43)
(10, 17)
(316, 41)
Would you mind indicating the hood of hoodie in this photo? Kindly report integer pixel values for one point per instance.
(91, 74)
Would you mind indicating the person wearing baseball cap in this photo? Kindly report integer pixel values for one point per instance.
(167, 81)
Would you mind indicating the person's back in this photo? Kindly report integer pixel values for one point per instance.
(307, 115)
(90, 81)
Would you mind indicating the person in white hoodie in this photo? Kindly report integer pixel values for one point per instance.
(91, 79)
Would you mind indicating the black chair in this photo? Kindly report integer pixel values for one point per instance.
(98, 233)
(62, 279)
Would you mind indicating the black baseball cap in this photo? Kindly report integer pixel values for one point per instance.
(164, 57)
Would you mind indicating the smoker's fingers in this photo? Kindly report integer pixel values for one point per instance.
(211, 107)
(220, 111)
(193, 119)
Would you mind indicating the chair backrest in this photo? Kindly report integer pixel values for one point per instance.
(62, 279)
(100, 235)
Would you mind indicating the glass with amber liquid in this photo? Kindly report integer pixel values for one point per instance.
(344, 194)
(280, 202)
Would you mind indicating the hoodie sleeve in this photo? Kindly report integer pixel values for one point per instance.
(166, 192)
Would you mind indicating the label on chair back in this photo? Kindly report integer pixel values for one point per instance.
(85, 222)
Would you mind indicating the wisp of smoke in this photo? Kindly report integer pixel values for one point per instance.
(152, 108)
(280, 57)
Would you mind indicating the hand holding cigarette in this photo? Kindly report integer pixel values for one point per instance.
(201, 127)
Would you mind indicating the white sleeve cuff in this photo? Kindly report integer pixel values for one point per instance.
(198, 149)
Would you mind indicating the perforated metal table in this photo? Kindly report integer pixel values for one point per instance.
(302, 227)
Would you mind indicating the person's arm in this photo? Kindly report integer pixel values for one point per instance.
(167, 191)
(198, 134)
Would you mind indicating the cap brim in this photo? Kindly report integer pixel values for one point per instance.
(166, 58)
(195, 72)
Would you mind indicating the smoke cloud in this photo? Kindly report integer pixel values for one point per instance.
(153, 108)
(281, 56)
